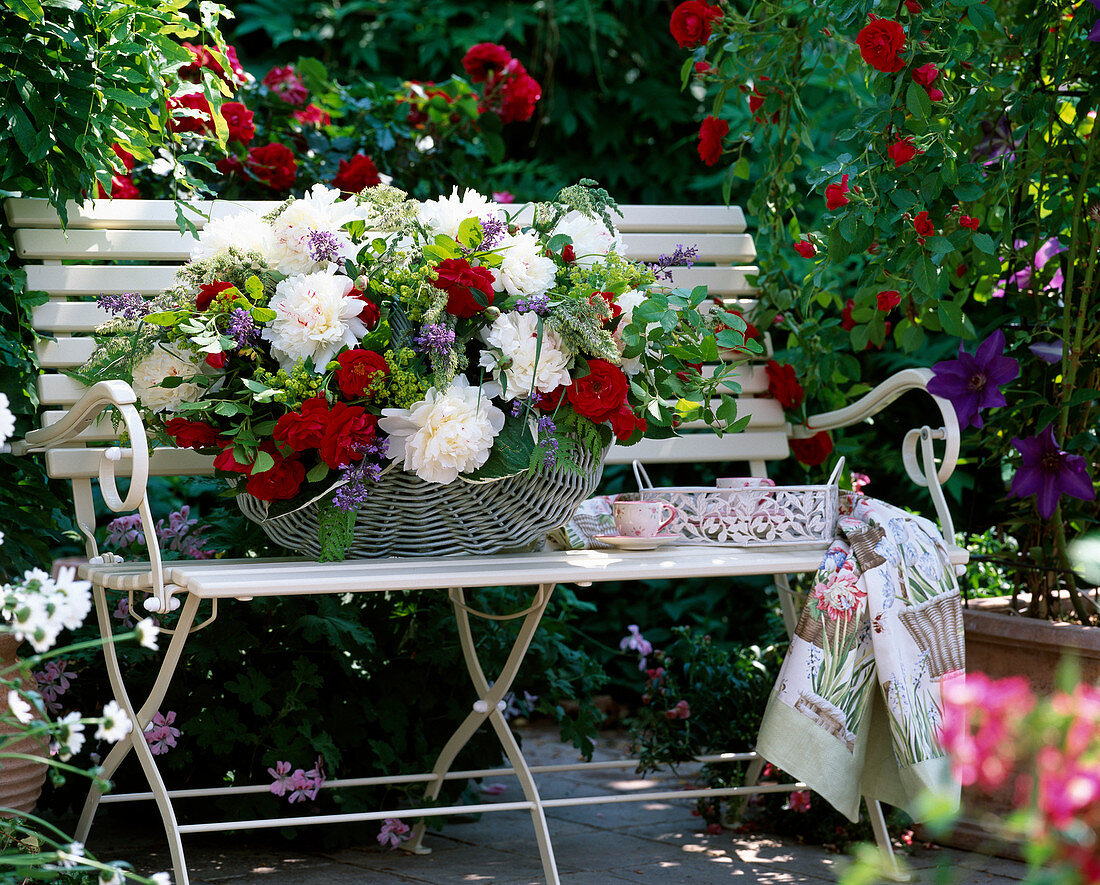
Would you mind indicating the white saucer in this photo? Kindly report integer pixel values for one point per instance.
(627, 542)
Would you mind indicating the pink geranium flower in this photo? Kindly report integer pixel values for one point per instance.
(394, 832)
(160, 734)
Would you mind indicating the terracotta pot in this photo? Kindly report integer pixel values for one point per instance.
(21, 780)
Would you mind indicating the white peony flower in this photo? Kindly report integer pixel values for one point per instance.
(308, 235)
(147, 632)
(514, 336)
(525, 269)
(20, 709)
(591, 239)
(315, 317)
(164, 362)
(116, 723)
(446, 214)
(7, 423)
(447, 433)
(628, 301)
(246, 230)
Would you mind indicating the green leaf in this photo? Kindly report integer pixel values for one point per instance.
(263, 463)
(951, 316)
(164, 318)
(31, 10)
(940, 245)
(469, 232)
(511, 452)
(983, 243)
(924, 275)
(318, 472)
(969, 191)
(741, 169)
(263, 314)
(917, 102)
(254, 286)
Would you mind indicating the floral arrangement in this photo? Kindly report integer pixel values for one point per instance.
(335, 339)
(258, 138)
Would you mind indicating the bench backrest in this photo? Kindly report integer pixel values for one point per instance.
(120, 246)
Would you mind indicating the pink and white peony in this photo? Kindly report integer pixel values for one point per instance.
(591, 238)
(315, 316)
(525, 270)
(309, 234)
(164, 362)
(246, 230)
(447, 433)
(446, 214)
(513, 338)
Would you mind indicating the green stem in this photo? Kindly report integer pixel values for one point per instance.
(1079, 606)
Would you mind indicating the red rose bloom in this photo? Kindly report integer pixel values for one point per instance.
(201, 57)
(226, 462)
(926, 75)
(609, 299)
(355, 174)
(923, 225)
(598, 394)
(814, 450)
(194, 116)
(783, 385)
(702, 67)
(239, 120)
(349, 429)
(549, 402)
(370, 314)
(483, 59)
(846, 321)
(194, 434)
(711, 133)
(304, 429)
(312, 116)
(805, 248)
(691, 23)
(835, 194)
(459, 280)
(286, 85)
(624, 422)
(208, 292)
(217, 360)
(518, 98)
(879, 44)
(279, 483)
(902, 151)
(230, 165)
(122, 188)
(969, 221)
(125, 156)
(274, 165)
(357, 371)
(756, 102)
(888, 300)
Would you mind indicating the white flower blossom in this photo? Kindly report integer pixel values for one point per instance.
(70, 735)
(113, 876)
(514, 339)
(116, 723)
(525, 270)
(162, 363)
(591, 238)
(445, 215)
(320, 210)
(147, 632)
(246, 230)
(20, 709)
(161, 879)
(7, 426)
(629, 302)
(71, 856)
(447, 433)
(315, 317)
(73, 598)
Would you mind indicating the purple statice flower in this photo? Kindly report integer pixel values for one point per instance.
(973, 382)
(492, 232)
(1048, 351)
(682, 257)
(1048, 472)
(435, 338)
(323, 245)
(129, 306)
(539, 304)
(1022, 278)
(241, 327)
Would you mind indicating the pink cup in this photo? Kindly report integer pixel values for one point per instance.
(642, 519)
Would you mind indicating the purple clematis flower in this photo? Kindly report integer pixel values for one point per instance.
(1094, 34)
(1048, 473)
(973, 382)
(1022, 278)
(1048, 351)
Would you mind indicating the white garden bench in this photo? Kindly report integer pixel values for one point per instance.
(115, 247)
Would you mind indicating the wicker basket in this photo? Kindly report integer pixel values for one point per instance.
(406, 516)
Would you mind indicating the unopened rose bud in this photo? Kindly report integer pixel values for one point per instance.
(491, 312)
(362, 283)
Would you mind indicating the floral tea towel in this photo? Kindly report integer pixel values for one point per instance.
(857, 708)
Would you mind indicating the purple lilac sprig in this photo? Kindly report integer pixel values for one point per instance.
(360, 476)
(435, 338)
(323, 246)
(129, 305)
(492, 232)
(682, 257)
(539, 304)
(548, 442)
(241, 327)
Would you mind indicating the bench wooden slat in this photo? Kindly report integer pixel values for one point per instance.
(161, 215)
(167, 245)
(64, 353)
(84, 463)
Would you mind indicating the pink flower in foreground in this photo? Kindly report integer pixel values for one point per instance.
(160, 735)
(281, 774)
(394, 832)
(681, 710)
(1065, 790)
(799, 801)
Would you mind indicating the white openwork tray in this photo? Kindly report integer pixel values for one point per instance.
(764, 515)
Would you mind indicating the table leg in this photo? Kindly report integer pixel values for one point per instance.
(489, 707)
(135, 740)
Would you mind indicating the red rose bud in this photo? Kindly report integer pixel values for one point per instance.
(358, 370)
(805, 248)
(926, 75)
(879, 44)
(691, 23)
(217, 360)
(568, 255)
(873, 248)
(935, 95)
(902, 151)
(814, 450)
(969, 221)
(835, 194)
(702, 67)
(923, 225)
(228, 463)
(624, 422)
(208, 292)
(711, 133)
(913, 6)
(846, 321)
(460, 281)
(782, 384)
(961, 270)
(888, 300)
